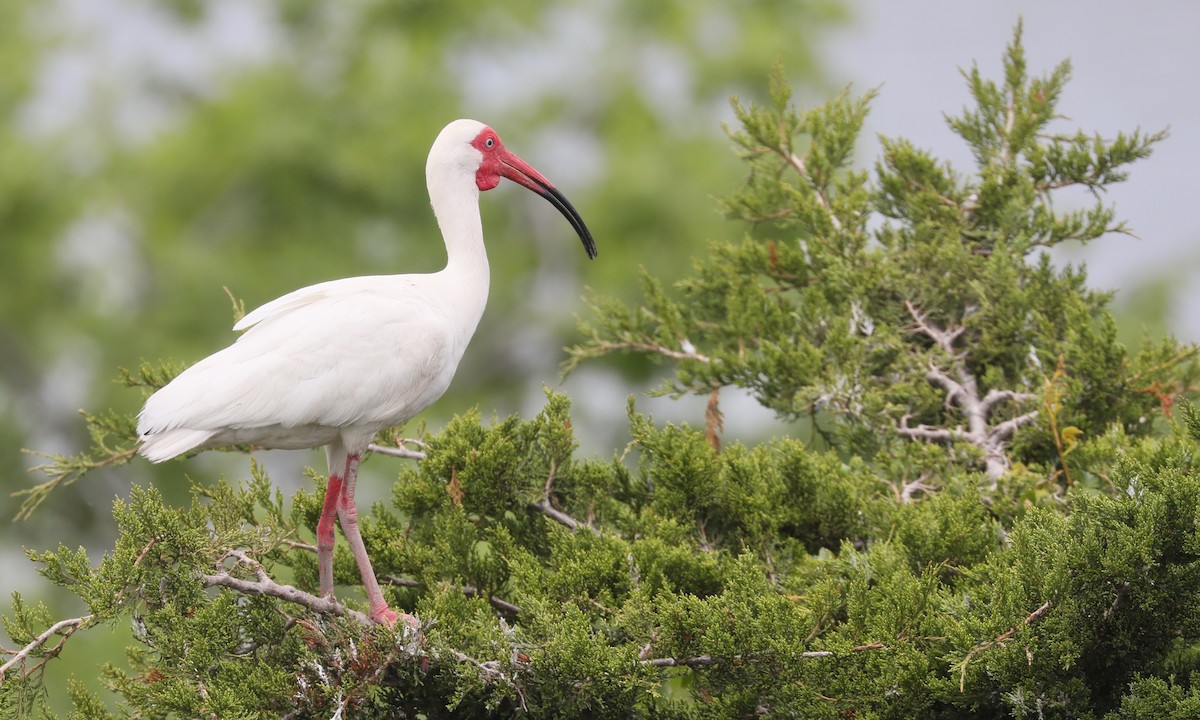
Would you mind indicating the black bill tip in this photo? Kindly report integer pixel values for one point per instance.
(558, 200)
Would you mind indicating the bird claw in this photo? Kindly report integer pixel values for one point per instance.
(387, 616)
(384, 616)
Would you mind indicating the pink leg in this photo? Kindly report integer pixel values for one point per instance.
(325, 539)
(348, 514)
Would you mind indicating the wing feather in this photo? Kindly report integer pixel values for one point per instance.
(355, 352)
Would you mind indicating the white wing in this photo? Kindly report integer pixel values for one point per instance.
(308, 296)
(365, 352)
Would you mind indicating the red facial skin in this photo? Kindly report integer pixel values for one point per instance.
(498, 162)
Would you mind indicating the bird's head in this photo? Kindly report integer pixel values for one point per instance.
(473, 147)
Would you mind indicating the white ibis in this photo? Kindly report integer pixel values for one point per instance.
(334, 363)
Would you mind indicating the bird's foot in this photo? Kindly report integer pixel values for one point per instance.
(389, 617)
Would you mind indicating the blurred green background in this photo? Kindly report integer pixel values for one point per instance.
(152, 153)
(264, 146)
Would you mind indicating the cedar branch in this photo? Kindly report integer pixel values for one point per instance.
(66, 627)
(608, 346)
(1029, 620)
(709, 660)
(559, 516)
(398, 451)
(500, 604)
(266, 586)
(962, 393)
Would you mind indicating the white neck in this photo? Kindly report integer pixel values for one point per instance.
(455, 201)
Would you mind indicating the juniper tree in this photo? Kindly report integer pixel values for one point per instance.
(943, 325)
(995, 516)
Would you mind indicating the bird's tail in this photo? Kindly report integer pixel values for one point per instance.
(165, 445)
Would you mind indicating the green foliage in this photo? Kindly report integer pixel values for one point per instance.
(113, 438)
(1157, 698)
(999, 515)
(696, 605)
(945, 323)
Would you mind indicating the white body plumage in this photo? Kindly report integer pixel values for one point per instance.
(343, 358)
(334, 363)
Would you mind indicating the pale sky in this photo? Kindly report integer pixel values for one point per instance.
(1134, 65)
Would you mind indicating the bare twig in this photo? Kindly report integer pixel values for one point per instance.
(944, 338)
(499, 603)
(400, 452)
(138, 561)
(962, 394)
(709, 660)
(284, 592)
(545, 507)
(869, 646)
(1029, 619)
(908, 490)
(929, 433)
(956, 392)
(1010, 120)
(698, 661)
(995, 396)
(1005, 429)
(1121, 593)
(559, 516)
(491, 673)
(549, 486)
(66, 627)
(297, 545)
(142, 555)
(266, 586)
(491, 668)
(799, 165)
(689, 353)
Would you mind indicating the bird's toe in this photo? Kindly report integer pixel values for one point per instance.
(389, 617)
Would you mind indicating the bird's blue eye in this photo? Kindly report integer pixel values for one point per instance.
(489, 142)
